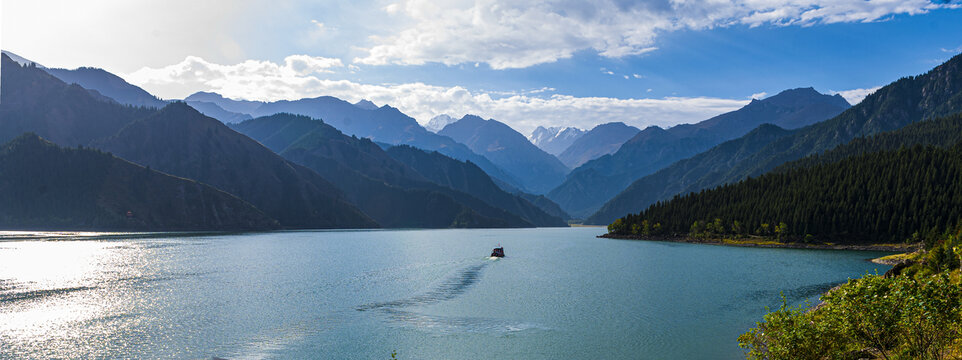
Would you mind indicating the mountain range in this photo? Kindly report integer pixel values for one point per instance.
(391, 191)
(903, 102)
(892, 187)
(384, 124)
(589, 186)
(176, 140)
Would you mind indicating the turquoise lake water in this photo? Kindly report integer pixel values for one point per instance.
(427, 294)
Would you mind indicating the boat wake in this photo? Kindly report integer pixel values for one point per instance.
(449, 289)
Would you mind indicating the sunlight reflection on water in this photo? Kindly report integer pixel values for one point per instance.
(57, 296)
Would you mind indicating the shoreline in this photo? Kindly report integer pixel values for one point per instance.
(768, 243)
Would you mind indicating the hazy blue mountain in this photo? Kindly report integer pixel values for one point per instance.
(602, 140)
(594, 183)
(46, 187)
(903, 102)
(234, 106)
(537, 170)
(382, 125)
(469, 178)
(439, 122)
(554, 140)
(391, 192)
(366, 104)
(109, 85)
(176, 140)
(32, 100)
(216, 112)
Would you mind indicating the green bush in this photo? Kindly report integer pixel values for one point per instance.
(891, 318)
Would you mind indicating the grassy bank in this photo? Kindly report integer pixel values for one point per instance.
(767, 242)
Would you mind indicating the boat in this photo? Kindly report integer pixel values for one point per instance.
(497, 252)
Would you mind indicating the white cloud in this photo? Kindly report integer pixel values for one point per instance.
(760, 95)
(855, 96)
(517, 34)
(636, 76)
(952, 51)
(524, 110)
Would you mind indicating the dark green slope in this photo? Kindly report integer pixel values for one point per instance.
(183, 142)
(45, 187)
(390, 192)
(175, 140)
(468, 178)
(591, 185)
(908, 100)
(405, 207)
(672, 180)
(892, 187)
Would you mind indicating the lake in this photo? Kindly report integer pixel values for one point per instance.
(427, 294)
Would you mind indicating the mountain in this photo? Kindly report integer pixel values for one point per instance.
(212, 110)
(46, 187)
(31, 100)
(366, 105)
(546, 205)
(893, 187)
(181, 141)
(20, 59)
(602, 140)
(383, 125)
(680, 176)
(554, 140)
(389, 191)
(231, 105)
(109, 85)
(176, 140)
(536, 170)
(589, 186)
(439, 122)
(469, 178)
(903, 102)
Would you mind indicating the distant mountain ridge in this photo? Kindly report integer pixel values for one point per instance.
(601, 140)
(554, 140)
(589, 186)
(109, 85)
(384, 125)
(537, 170)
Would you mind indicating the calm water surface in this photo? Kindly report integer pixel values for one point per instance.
(429, 294)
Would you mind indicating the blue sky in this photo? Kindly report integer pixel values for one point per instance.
(552, 63)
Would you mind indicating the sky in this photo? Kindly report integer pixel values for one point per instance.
(525, 63)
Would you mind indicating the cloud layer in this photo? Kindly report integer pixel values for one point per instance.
(524, 110)
(518, 34)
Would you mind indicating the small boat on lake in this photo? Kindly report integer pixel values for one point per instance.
(497, 252)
